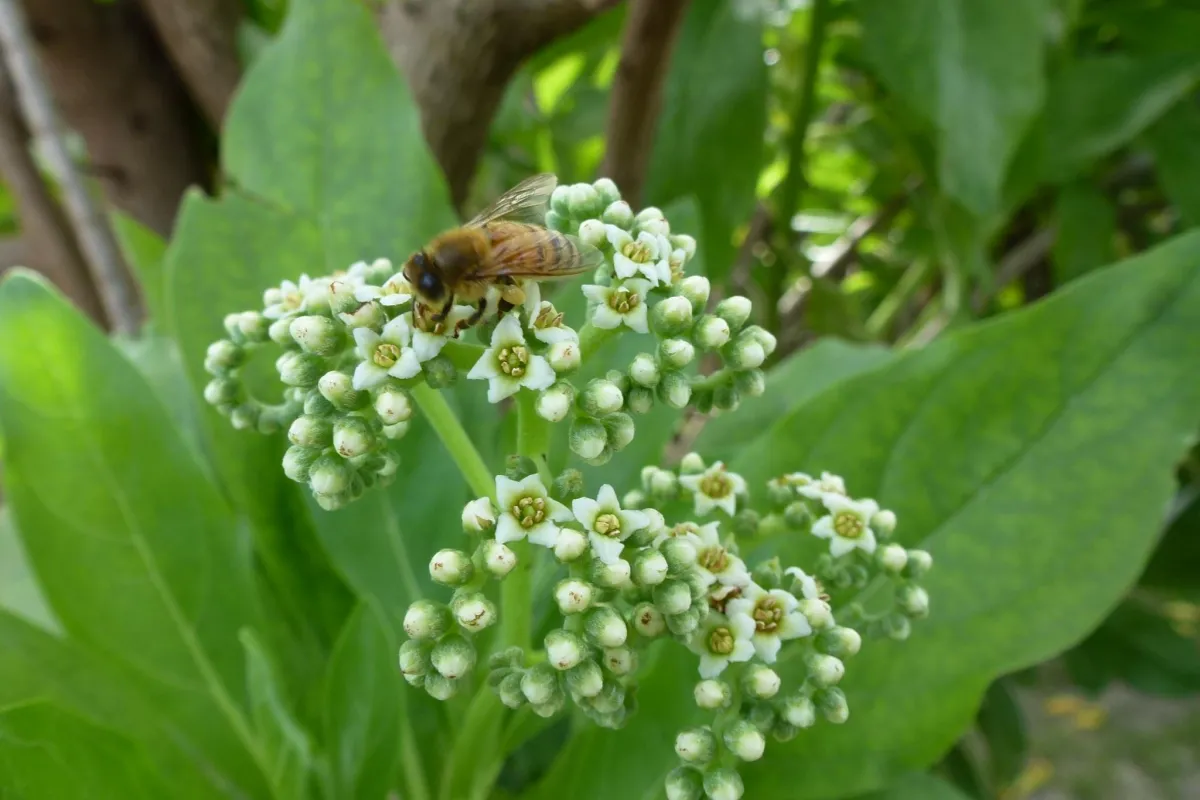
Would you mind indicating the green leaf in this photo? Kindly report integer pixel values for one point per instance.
(1172, 567)
(363, 708)
(972, 68)
(286, 746)
(19, 591)
(1002, 725)
(103, 489)
(48, 752)
(1032, 456)
(1173, 141)
(919, 787)
(709, 141)
(144, 251)
(1087, 231)
(790, 384)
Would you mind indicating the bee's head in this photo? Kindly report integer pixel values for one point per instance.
(420, 273)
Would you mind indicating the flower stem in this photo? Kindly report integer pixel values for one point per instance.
(516, 592)
(450, 431)
(592, 339)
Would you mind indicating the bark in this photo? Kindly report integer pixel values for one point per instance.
(458, 57)
(116, 88)
(200, 36)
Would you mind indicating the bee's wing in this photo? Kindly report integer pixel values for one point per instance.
(539, 254)
(525, 202)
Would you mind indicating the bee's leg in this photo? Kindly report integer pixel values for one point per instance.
(512, 294)
(444, 311)
(473, 320)
(503, 307)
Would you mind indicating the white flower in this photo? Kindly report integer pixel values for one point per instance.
(287, 299)
(384, 354)
(528, 511)
(647, 254)
(533, 299)
(847, 525)
(427, 344)
(396, 291)
(720, 640)
(478, 515)
(815, 488)
(606, 524)
(776, 617)
(715, 488)
(508, 364)
(546, 323)
(808, 584)
(713, 562)
(615, 304)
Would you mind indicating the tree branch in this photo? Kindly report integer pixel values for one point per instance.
(636, 98)
(91, 227)
(200, 36)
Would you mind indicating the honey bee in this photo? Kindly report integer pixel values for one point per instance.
(495, 253)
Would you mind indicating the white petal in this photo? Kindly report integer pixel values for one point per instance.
(617, 237)
(394, 299)
(508, 332)
(539, 375)
(836, 502)
(586, 510)
(639, 286)
(794, 626)
(558, 512)
(427, 345)
(786, 600)
(743, 626)
(533, 300)
(728, 504)
(705, 577)
(737, 482)
(866, 542)
(739, 606)
(709, 535)
(502, 386)
(485, 368)
(607, 497)
(398, 331)
(560, 333)
(508, 491)
(711, 666)
(406, 366)
(823, 527)
(508, 530)
(366, 293)
(633, 521)
(606, 549)
(367, 375)
(624, 267)
(767, 646)
(690, 482)
(366, 341)
(544, 533)
(735, 574)
(532, 486)
(743, 650)
(839, 546)
(605, 317)
(597, 293)
(636, 319)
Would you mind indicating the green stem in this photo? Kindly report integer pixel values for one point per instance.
(795, 181)
(462, 355)
(592, 339)
(889, 307)
(454, 437)
(410, 758)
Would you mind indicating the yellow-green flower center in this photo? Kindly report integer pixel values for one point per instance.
(720, 641)
(848, 525)
(768, 613)
(623, 301)
(714, 559)
(683, 528)
(529, 511)
(716, 485)
(720, 595)
(513, 360)
(636, 251)
(386, 355)
(608, 525)
(291, 301)
(548, 318)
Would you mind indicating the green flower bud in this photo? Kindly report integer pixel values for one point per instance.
(440, 687)
(643, 371)
(762, 716)
(341, 297)
(833, 706)
(605, 628)
(583, 202)
(620, 429)
(319, 335)
(760, 681)
(518, 467)
(817, 612)
(338, 389)
(601, 397)
(309, 431)
(559, 200)
(765, 339)
(892, 558)
(564, 357)
(726, 398)
(548, 710)
(797, 516)
(588, 438)
(751, 382)
(799, 711)
(453, 657)
(607, 190)
(746, 523)
(585, 679)
(680, 553)
(681, 241)
(567, 486)
(745, 741)
(611, 698)
(914, 601)
(671, 316)
(639, 400)
(223, 356)
(393, 405)
(573, 596)
(299, 369)
(768, 574)
(696, 745)
(426, 620)
(685, 624)
(648, 214)
(221, 391)
(744, 353)
(610, 576)
(512, 657)
(564, 649)
(397, 431)
(684, 783)
(919, 563)
(824, 670)
(366, 315)
(676, 353)
(571, 545)
(473, 611)
(696, 289)
(723, 784)
(711, 332)
(414, 659)
(298, 461)
(635, 499)
(329, 475)
(884, 523)
(712, 694)
(556, 221)
(540, 685)
(510, 690)
(620, 660)
(497, 558)
(648, 620)
(675, 390)
(593, 233)
(315, 404)
(451, 567)
(673, 597)
(840, 641)
(649, 568)
(734, 310)
(554, 403)
(352, 437)
(618, 213)
(280, 332)
(440, 372)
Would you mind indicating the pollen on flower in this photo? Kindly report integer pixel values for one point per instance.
(512, 360)
(623, 301)
(848, 526)
(608, 525)
(529, 511)
(386, 355)
(767, 614)
(720, 641)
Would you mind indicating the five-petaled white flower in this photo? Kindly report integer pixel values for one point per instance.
(617, 304)
(396, 291)
(546, 324)
(509, 364)
(428, 343)
(847, 525)
(715, 488)
(648, 255)
(285, 299)
(606, 524)
(720, 640)
(776, 617)
(816, 488)
(528, 512)
(714, 563)
(384, 354)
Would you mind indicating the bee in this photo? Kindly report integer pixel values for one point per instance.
(495, 254)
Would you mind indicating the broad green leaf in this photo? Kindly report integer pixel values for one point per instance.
(1002, 726)
(19, 591)
(996, 447)
(917, 787)
(1172, 567)
(1087, 229)
(48, 752)
(286, 747)
(143, 250)
(1173, 141)
(790, 384)
(363, 707)
(971, 68)
(134, 548)
(709, 140)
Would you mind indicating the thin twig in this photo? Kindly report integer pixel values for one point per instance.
(843, 251)
(88, 220)
(646, 45)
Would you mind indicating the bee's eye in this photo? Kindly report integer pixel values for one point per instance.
(418, 260)
(429, 285)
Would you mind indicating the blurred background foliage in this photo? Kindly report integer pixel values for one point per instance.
(876, 175)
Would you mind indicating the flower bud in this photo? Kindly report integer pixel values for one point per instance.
(338, 389)
(451, 567)
(696, 745)
(711, 332)
(726, 398)
(315, 405)
(319, 335)
(440, 372)
(583, 201)
(673, 597)
(840, 641)
(643, 371)
(914, 601)
(763, 337)
(635, 499)
(620, 428)
(892, 557)
(671, 316)
(825, 670)
(559, 200)
(676, 353)
(223, 356)
(712, 694)
(734, 310)
(639, 400)
(620, 660)
(393, 406)
(478, 516)
(832, 703)
(675, 390)
(662, 484)
(440, 687)
(745, 741)
(750, 382)
(696, 289)
(647, 214)
(453, 657)
(564, 357)
(571, 545)
(510, 690)
(221, 391)
(540, 685)
(744, 353)
(473, 611)
(299, 369)
(648, 620)
(426, 619)
(884, 523)
(352, 437)
(817, 612)
(573, 596)
(760, 681)
(685, 624)
(601, 397)
(799, 711)
(298, 461)
(607, 190)
(619, 214)
(723, 784)
(280, 332)
(687, 244)
(593, 233)
(554, 403)
(414, 659)
(309, 431)
(329, 475)
(680, 553)
(588, 438)
(585, 679)
(548, 710)
(611, 576)
(366, 315)
(497, 558)
(919, 563)
(684, 783)
(649, 568)
(604, 627)
(564, 649)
